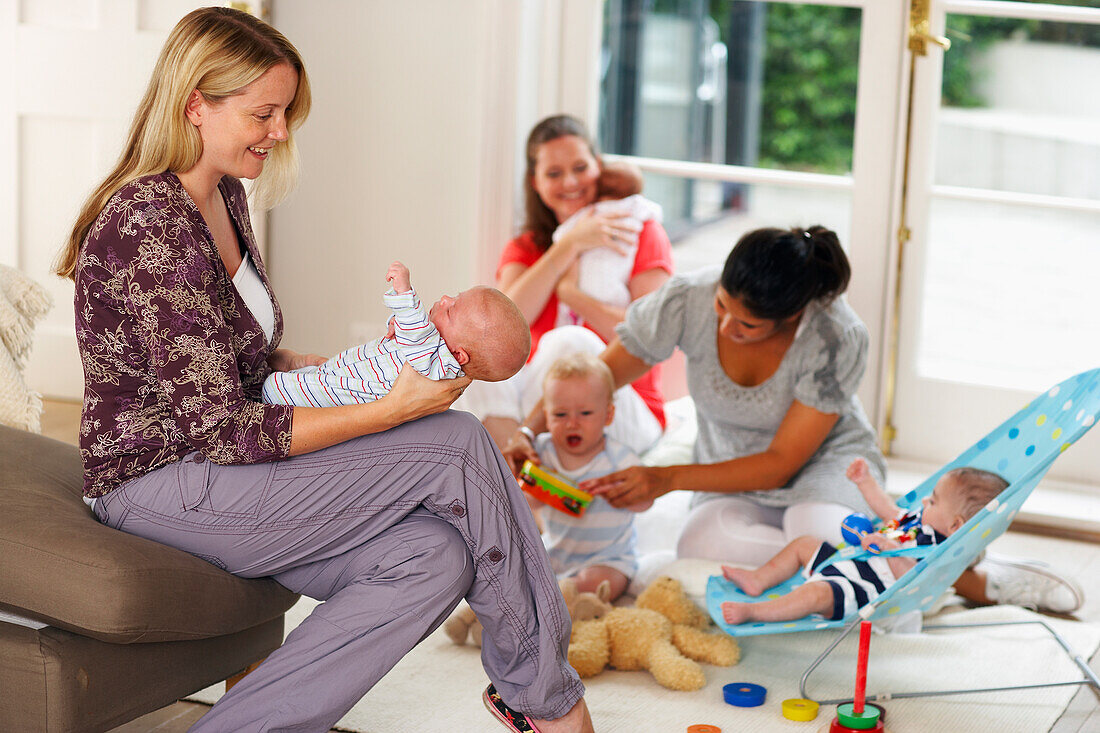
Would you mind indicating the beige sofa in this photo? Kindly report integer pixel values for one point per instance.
(132, 625)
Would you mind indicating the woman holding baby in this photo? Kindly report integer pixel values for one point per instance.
(390, 512)
(571, 238)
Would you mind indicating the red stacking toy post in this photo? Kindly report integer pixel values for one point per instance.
(857, 716)
(861, 666)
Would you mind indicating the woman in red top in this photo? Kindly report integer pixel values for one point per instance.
(563, 169)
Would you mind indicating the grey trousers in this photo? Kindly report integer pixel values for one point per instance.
(390, 531)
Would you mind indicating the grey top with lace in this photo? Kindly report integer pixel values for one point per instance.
(821, 369)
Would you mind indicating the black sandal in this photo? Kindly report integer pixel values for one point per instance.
(514, 721)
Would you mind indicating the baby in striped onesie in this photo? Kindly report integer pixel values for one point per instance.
(600, 544)
(480, 333)
(838, 590)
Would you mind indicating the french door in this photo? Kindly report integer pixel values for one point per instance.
(998, 293)
(748, 113)
(965, 183)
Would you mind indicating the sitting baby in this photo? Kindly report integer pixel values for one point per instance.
(480, 333)
(838, 590)
(604, 273)
(578, 402)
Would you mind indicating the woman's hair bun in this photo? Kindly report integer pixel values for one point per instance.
(777, 272)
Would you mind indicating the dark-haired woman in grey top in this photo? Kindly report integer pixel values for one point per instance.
(773, 362)
(774, 358)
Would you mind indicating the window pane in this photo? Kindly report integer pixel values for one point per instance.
(730, 81)
(1009, 295)
(713, 230)
(1019, 112)
(769, 85)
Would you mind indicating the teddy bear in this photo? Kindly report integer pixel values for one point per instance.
(662, 633)
(463, 624)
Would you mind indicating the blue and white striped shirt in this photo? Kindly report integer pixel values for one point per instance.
(604, 535)
(365, 373)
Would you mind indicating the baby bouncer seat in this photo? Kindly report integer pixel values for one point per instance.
(1021, 450)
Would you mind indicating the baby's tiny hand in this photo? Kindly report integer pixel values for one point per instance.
(391, 329)
(398, 277)
(857, 471)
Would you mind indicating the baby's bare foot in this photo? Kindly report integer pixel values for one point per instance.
(743, 579)
(735, 613)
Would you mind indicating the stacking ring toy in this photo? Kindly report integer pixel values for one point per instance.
(836, 727)
(799, 709)
(703, 728)
(744, 694)
(881, 710)
(847, 716)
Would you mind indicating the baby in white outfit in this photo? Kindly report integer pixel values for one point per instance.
(603, 273)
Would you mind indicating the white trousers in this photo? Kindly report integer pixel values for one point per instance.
(634, 425)
(737, 530)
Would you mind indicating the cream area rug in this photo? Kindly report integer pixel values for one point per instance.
(442, 682)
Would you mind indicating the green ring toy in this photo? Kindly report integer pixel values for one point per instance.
(849, 718)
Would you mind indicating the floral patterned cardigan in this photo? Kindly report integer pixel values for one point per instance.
(173, 359)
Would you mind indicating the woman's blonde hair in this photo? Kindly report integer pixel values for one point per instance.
(217, 51)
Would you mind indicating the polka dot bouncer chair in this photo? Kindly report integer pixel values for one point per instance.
(1020, 450)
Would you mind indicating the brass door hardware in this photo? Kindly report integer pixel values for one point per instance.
(919, 24)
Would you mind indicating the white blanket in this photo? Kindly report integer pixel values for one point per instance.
(22, 303)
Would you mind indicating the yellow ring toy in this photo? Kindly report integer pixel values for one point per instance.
(799, 709)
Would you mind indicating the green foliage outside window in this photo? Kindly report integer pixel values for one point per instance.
(810, 75)
(973, 35)
(808, 107)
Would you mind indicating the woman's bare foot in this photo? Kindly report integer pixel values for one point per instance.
(576, 720)
(743, 579)
(735, 613)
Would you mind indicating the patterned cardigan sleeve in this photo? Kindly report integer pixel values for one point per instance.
(169, 288)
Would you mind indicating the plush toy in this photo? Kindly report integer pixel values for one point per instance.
(463, 624)
(662, 633)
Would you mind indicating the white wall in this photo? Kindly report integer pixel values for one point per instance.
(411, 133)
(414, 146)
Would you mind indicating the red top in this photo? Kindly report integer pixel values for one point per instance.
(654, 252)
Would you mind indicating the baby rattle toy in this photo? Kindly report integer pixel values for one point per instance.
(857, 524)
(553, 490)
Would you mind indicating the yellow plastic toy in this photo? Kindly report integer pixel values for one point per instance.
(553, 490)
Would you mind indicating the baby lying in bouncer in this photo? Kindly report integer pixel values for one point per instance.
(838, 590)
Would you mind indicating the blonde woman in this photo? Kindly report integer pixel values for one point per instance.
(178, 327)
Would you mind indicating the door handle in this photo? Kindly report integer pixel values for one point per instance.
(918, 42)
(920, 13)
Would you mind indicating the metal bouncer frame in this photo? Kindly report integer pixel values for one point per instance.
(1090, 677)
